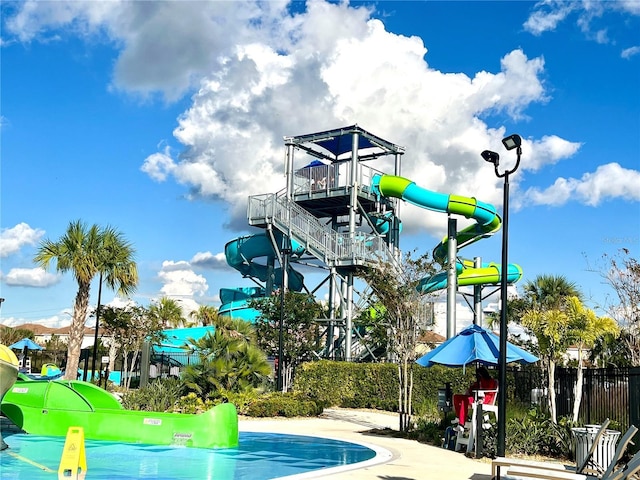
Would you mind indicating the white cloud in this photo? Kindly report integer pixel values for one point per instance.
(159, 165)
(263, 73)
(549, 150)
(210, 261)
(607, 182)
(31, 277)
(183, 39)
(59, 320)
(181, 281)
(629, 6)
(13, 239)
(631, 51)
(548, 14)
(242, 110)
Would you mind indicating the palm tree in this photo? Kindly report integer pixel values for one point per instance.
(168, 312)
(205, 314)
(87, 252)
(549, 291)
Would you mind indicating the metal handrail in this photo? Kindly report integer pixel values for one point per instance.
(322, 241)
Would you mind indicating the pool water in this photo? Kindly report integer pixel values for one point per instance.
(260, 456)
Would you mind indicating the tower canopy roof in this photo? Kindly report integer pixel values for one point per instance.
(337, 145)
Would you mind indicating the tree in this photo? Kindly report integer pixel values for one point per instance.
(299, 312)
(168, 313)
(542, 311)
(622, 273)
(372, 325)
(54, 346)
(550, 327)
(549, 292)
(88, 252)
(10, 335)
(585, 327)
(130, 327)
(615, 351)
(397, 293)
(230, 361)
(205, 315)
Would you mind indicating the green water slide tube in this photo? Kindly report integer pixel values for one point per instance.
(487, 222)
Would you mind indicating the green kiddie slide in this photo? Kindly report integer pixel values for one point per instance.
(51, 407)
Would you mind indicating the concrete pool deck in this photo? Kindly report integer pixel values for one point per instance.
(410, 460)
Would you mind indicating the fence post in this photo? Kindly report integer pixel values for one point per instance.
(634, 396)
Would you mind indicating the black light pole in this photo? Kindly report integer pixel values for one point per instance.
(283, 289)
(95, 333)
(510, 142)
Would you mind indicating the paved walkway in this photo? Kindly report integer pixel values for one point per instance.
(400, 459)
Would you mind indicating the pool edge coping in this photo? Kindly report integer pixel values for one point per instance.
(382, 455)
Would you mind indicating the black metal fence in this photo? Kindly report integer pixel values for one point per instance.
(162, 364)
(606, 392)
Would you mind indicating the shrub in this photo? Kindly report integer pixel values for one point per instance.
(536, 434)
(191, 403)
(158, 396)
(375, 385)
(428, 431)
(283, 405)
(241, 400)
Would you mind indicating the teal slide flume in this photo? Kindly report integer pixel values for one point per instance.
(242, 254)
(487, 222)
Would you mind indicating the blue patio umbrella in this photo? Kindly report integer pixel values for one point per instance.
(473, 344)
(26, 343)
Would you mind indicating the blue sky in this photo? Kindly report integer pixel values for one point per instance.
(160, 118)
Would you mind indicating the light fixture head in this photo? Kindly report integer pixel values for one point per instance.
(512, 141)
(491, 157)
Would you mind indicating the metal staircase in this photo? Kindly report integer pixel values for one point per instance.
(331, 247)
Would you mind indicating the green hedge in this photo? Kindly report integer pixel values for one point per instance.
(283, 405)
(374, 385)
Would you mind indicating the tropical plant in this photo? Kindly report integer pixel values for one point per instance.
(585, 328)
(549, 292)
(168, 313)
(88, 252)
(160, 395)
(615, 350)
(205, 315)
(543, 315)
(229, 361)
(298, 313)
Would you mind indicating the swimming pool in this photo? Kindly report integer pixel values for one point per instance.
(260, 456)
